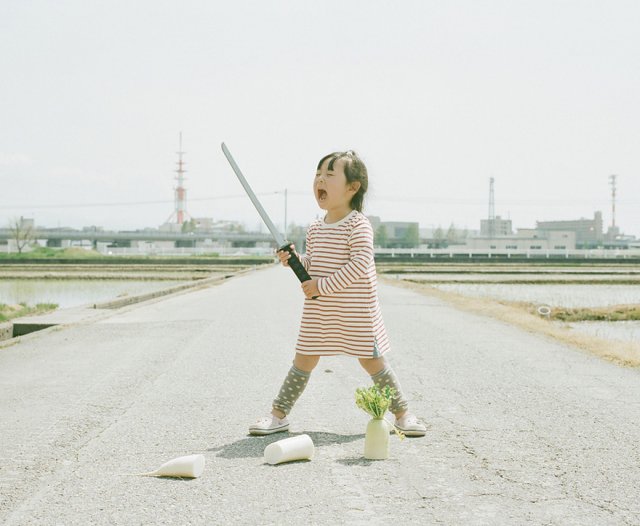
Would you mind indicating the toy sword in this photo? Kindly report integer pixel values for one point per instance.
(294, 262)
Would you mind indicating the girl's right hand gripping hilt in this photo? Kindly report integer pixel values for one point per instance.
(296, 265)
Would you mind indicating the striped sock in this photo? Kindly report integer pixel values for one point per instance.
(387, 377)
(292, 387)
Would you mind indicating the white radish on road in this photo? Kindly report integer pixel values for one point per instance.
(190, 466)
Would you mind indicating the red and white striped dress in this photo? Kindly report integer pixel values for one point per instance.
(346, 317)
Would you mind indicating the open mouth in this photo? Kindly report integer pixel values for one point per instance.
(322, 194)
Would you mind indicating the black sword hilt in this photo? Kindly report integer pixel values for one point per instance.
(296, 265)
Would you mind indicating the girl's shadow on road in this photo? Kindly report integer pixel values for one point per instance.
(254, 446)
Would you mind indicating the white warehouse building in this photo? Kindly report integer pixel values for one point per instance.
(525, 239)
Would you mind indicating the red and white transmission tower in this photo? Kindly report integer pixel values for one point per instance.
(180, 211)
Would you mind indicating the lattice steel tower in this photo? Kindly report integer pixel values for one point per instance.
(180, 192)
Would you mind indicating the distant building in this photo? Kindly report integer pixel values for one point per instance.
(22, 235)
(526, 239)
(399, 230)
(613, 233)
(375, 222)
(445, 237)
(27, 222)
(497, 234)
(588, 232)
(614, 239)
(395, 234)
(204, 224)
(495, 227)
(170, 227)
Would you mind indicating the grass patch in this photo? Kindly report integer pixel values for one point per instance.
(10, 312)
(613, 313)
(524, 316)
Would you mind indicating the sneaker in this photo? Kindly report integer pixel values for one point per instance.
(411, 426)
(268, 425)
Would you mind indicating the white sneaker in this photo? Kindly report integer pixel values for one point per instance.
(268, 425)
(411, 426)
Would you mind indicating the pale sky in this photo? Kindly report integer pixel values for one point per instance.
(436, 96)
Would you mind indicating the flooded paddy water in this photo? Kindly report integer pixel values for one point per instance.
(581, 287)
(68, 285)
(32, 288)
(71, 293)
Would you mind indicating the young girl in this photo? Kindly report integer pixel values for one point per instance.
(344, 318)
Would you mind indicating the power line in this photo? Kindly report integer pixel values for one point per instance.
(478, 201)
(432, 200)
(131, 203)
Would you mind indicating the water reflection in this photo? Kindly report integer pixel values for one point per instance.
(71, 293)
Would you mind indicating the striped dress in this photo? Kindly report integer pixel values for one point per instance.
(346, 317)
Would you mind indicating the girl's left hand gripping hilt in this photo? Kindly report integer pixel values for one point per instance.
(296, 265)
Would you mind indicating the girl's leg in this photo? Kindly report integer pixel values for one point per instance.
(294, 384)
(382, 375)
(306, 363)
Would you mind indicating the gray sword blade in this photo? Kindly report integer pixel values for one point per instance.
(267, 220)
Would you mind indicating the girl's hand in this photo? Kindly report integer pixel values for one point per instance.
(310, 288)
(283, 255)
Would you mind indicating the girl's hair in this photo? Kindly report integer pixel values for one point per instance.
(354, 170)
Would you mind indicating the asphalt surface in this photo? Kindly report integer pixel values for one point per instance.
(521, 430)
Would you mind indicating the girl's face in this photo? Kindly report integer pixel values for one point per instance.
(331, 189)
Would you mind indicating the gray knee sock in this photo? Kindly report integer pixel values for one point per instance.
(388, 377)
(291, 389)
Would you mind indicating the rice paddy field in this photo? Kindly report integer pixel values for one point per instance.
(556, 295)
(594, 306)
(71, 293)
(68, 284)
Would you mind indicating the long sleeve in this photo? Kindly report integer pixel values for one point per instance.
(305, 258)
(360, 244)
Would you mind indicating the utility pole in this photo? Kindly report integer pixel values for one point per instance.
(612, 182)
(492, 210)
(285, 213)
(285, 210)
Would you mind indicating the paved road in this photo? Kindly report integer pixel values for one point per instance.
(522, 430)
